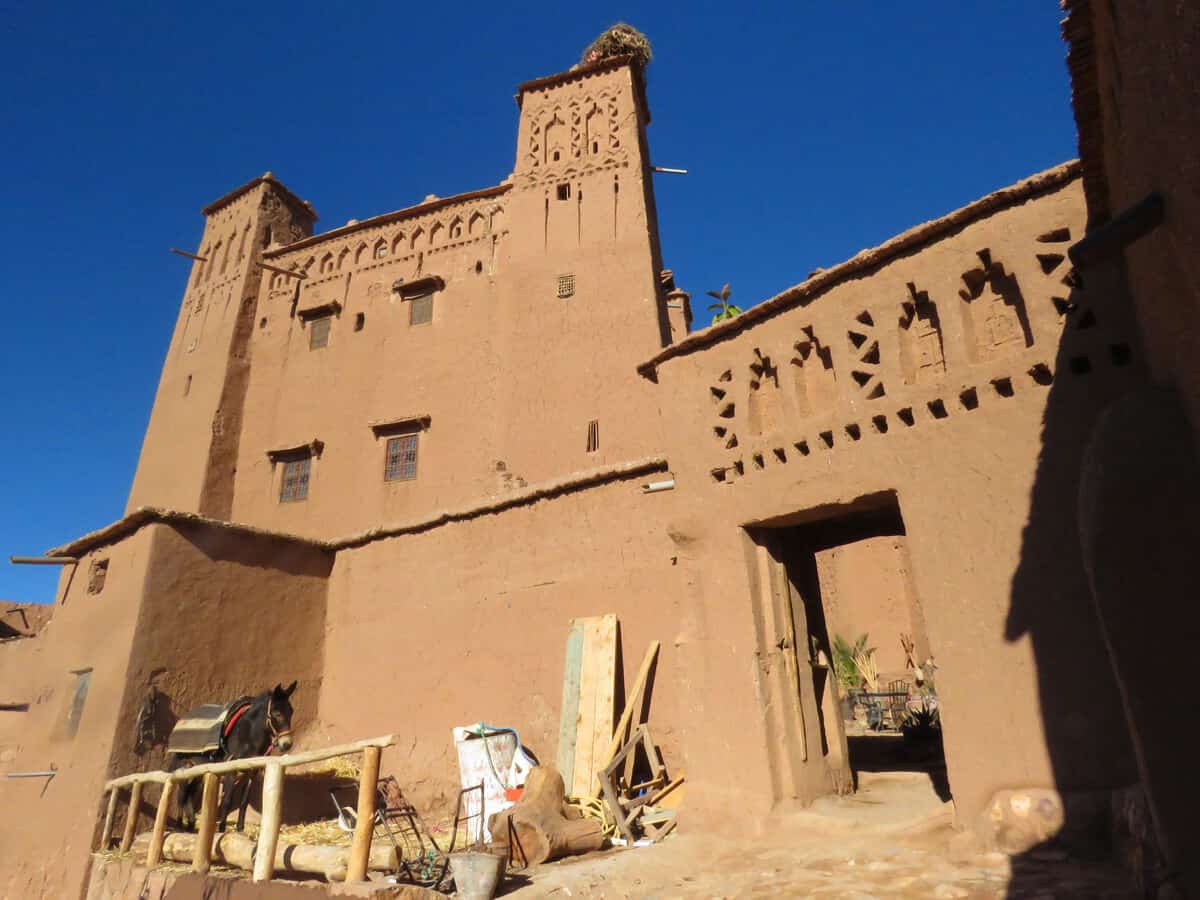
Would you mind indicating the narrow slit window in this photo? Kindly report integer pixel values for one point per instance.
(593, 436)
(421, 310)
(83, 678)
(401, 461)
(318, 333)
(294, 486)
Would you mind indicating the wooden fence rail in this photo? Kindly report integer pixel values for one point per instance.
(272, 805)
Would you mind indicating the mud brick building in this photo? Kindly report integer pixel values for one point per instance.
(392, 460)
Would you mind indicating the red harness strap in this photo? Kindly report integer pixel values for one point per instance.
(233, 720)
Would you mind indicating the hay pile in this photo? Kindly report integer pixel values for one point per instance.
(619, 40)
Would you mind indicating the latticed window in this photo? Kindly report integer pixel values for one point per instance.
(318, 333)
(295, 479)
(421, 311)
(401, 464)
(566, 286)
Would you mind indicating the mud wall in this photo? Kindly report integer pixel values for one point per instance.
(865, 590)
(1135, 106)
(225, 614)
(467, 622)
(47, 827)
(928, 376)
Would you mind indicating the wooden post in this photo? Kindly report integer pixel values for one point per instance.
(154, 853)
(106, 833)
(131, 816)
(364, 827)
(635, 706)
(268, 829)
(207, 825)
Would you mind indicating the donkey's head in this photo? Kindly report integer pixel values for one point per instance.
(279, 716)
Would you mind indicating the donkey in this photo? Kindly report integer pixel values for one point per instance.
(251, 726)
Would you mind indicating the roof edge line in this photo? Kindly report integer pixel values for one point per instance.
(250, 185)
(874, 257)
(576, 481)
(388, 217)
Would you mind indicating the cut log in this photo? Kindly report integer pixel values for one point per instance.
(233, 849)
(540, 821)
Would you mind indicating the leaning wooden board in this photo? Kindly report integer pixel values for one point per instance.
(586, 724)
(568, 720)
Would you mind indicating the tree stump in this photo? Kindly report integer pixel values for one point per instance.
(546, 828)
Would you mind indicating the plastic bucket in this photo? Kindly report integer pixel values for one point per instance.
(476, 874)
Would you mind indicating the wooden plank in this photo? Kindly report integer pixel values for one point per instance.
(268, 829)
(364, 824)
(635, 701)
(569, 715)
(131, 816)
(597, 689)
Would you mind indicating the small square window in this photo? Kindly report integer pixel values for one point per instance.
(564, 191)
(401, 461)
(381, 251)
(294, 485)
(566, 286)
(318, 333)
(421, 311)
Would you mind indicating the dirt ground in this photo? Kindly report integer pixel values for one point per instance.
(891, 839)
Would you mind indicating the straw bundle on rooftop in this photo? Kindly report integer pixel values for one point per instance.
(619, 40)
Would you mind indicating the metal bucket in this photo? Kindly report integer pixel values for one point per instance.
(476, 874)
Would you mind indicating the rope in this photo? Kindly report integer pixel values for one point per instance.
(594, 808)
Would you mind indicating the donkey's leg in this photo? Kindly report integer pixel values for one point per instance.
(187, 815)
(244, 801)
(226, 806)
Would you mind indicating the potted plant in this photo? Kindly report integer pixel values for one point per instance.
(845, 667)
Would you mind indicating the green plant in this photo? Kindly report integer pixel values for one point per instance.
(845, 665)
(724, 309)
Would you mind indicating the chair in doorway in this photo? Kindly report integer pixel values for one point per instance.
(897, 702)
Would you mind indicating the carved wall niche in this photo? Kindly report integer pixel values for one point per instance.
(995, 321)
(922, 355)
(813, 378)
(556, 140)
(764, 405)
(864, 345)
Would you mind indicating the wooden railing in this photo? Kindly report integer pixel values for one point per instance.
(272, 805)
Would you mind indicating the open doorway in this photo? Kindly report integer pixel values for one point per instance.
(842, 577)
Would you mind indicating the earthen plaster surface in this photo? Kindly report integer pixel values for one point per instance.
(949, 376)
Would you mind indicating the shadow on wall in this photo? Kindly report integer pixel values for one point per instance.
(1051, 603)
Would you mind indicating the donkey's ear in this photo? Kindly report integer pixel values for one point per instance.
(291, 688)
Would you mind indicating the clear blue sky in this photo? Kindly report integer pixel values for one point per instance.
(811, 130)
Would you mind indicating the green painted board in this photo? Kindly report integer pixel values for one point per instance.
(568, 722)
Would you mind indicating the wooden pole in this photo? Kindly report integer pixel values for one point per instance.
(289, 272)
(106, 833)
(364, 827)
(131, 816)
(154, 853)
(207, 825)
(253, 762)
(635, 701)
(268, 828)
